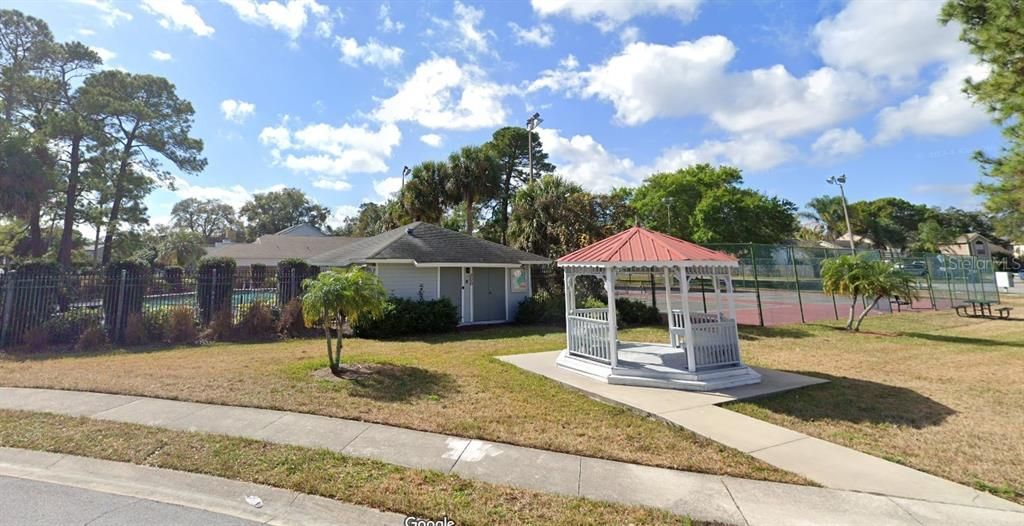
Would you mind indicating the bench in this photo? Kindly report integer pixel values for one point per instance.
(899, 303)
(961, 310)
(1004, 312)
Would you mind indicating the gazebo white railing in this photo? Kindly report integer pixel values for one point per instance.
(703, 350)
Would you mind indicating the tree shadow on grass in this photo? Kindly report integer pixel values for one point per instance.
(386, 382)
(963, 340)
(754, 333)
(857, 401)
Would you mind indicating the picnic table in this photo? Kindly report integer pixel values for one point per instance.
(982, 308)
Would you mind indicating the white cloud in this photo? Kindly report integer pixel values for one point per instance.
(161, 56)
(340, 214)
(609, 14)
(387, 187)
(440, 94)
(748, 153)
(237, 110)
(648, 81)
(105, 54)
(332, 152)
(289, 17)
(432, 139)
(542, 35)
(569, 62)
(110, 14)
(944, 111)
(372, 52)
(583, 160)
(388, 25)
(466, 35)
(85, 32)
(177, 15)
(838, 142)
(895, 41)
(235, 195)
(629, 34)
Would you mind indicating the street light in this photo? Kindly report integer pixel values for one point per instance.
(531, 124)
(840, 181)
(405, 171)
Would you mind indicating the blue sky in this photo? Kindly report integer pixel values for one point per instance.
(335, 98)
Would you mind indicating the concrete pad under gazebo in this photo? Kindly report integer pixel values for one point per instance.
(703, 351)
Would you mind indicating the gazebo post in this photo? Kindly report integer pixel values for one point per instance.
(613, 346)
(684, 287)
(718, 293)
(730, 294)
(668, 306)
(568, 277)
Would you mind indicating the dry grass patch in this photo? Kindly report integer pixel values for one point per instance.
(447, 384)
(317, 472)
(929, 390)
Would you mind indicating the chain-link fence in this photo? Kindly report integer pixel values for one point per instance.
(780, 284)
(58, 302)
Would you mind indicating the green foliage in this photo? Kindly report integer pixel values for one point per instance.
(272, 212)
(542, 308)
(552, 216)
(66, 327)
(994, 31)
(34, 298)
(475, 176)
(215, 282)
(511, 146)
(125, 285)
(258, 274)
(404, 317)
(172, 276)
(425, 196)
(634, 312)
(341, 296)
(859, 277)
(180, 325)
(210, 218)
(291, 273)
(931, 235)
(889, 222)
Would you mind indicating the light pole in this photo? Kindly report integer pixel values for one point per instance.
(531, 124)
(405, 171)
(840, 181)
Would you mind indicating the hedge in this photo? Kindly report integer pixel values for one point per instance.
(548, 308)
(215, 283)
(403, 317)
(32, 290)
(258, 274)
(290, 275)
(125, 287)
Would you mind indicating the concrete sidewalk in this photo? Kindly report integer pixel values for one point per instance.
(213, 495)
(705, 497)
(828, 464)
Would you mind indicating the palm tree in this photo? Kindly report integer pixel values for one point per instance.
(858, 277)
(426, 194)
(338, 296)
(827, 211)
(474, 176)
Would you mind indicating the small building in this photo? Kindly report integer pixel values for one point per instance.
(300, 241)
(973, 244)
(485, 280)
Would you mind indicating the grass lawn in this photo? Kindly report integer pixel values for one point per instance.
(448, 384)
(317, 472)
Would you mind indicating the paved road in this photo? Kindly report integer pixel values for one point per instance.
(30, 503)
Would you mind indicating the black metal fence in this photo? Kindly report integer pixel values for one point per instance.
(65, 302)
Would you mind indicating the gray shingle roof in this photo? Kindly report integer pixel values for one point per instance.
(273, 246)
(426, 243)
(302, 229)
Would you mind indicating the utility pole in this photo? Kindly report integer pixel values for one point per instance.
(840, 181)
(405, 171)
(531, 124)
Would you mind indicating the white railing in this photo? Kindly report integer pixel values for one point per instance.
(588, 336)
(695, 318)
(591, 314)
(716, 343)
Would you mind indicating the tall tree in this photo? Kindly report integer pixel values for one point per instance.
(26, 45)
(827, 212)
(426, 195)
(888, 222)
(730, 214)
(210, 218)
(474, 175)
(552, 217)
(272, 212)
(144, 118)
(511, 146)
(994, 31)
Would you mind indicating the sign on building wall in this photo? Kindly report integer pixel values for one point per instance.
(518, 279)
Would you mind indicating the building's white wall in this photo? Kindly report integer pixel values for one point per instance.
(404, 280)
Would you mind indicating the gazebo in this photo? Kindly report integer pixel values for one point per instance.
(703, 351)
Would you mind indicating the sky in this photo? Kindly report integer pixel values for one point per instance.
(335, 98)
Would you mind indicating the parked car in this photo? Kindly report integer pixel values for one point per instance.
(913, 268)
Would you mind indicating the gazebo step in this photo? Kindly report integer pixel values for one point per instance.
(701, 382)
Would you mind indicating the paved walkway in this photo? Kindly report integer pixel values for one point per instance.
(828, 464)
(105, 492)
(706, 497)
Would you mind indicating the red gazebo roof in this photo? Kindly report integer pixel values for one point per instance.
(639, 245)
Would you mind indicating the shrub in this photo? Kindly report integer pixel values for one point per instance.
(93, 339)
(180, 325)
(258, 274)
(291, 323)
(633, 312)
(256, 322)
(154, 321)
(36, 338)
(33, 299)
(215, 284)
(67, 327)
(135, 332)
(173, 275)
(125, 287)
(290, 275)
(543, 307)
(221, 327)
(402, 316)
